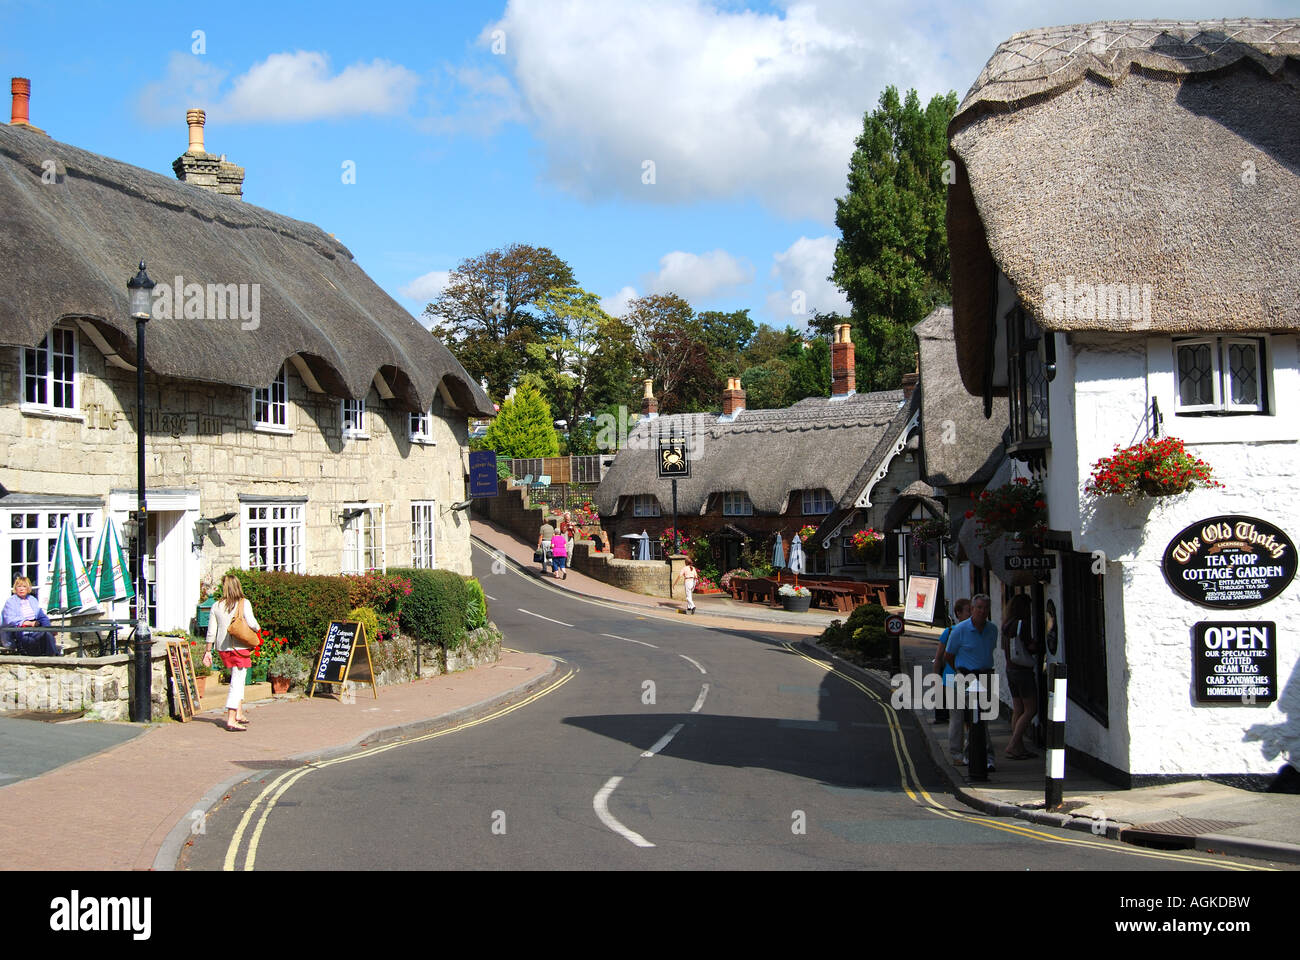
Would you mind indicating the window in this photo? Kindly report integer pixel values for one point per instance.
(645, 505)
(421, 428)
(422, 514)
(353, 419)
(1027, 368)
(850, 556)
(1220, 375)
(364, 541)
(1083, 623)
(49, 374)
(271, 404)
(816, 502)
(273, 536)
(735, 503)
(31, 534)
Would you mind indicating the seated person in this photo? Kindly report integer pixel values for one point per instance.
(23, 610)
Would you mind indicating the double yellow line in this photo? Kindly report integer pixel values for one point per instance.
(273, 791)
(911, 784)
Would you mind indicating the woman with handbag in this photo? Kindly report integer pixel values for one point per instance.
(233, 629)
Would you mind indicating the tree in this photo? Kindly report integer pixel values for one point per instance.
(564, 360)
(487, 313)
(810, 372)
(523, 428)
(892, 258)
(727, 335)
(673, 352)
(767, 385)
(769, 343)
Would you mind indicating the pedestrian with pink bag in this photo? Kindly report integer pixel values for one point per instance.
(233, 629)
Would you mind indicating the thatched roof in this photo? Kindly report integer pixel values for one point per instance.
(68, 247)
(1160, 153)
(958, 445)
(814, 444)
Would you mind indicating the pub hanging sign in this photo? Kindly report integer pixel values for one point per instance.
(1230, 561)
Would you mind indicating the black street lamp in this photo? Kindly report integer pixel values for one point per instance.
(139, 289)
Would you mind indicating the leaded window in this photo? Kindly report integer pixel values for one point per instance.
(1220, 375)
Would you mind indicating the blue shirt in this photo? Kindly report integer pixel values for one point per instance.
(973, 649)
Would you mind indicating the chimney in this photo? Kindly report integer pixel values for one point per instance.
(649, 405)
(910, 381)
(842, 377)
(201, 168)
(20, 112)
(733, 398)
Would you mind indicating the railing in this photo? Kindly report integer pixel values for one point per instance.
(586, 469)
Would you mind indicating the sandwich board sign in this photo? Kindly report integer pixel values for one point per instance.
(185, 688)
(338, 662)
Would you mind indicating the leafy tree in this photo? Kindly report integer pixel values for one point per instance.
(768, 343)
(727, 335)
(767, 385)
(488, 314)
(523, 428)
(892, 259)
(564, 359)
(810, 372)
(672, 350)
(613, 377)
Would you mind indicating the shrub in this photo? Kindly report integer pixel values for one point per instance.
(368, 619)
(382, 593)
(866, 628)
(296, 607)
(434, 612)
(475, 604)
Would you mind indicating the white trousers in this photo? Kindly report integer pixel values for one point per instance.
(690, 594)
(236, 695)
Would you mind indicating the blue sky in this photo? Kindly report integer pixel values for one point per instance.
(474, 125)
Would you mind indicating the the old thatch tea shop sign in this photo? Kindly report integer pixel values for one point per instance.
(1230, 561)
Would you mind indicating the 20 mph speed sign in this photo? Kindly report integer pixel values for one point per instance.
(894, 625)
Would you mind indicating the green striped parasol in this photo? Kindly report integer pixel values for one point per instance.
(110, 573)
(69, 586)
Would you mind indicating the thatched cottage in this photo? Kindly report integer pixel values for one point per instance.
(1123, 229)
(757, 472)
(298, 418)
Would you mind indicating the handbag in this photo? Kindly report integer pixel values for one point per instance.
(538, 556)
(240, 630)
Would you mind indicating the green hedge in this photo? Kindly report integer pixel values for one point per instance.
(434, 611)
(864, 631)
(475, 605)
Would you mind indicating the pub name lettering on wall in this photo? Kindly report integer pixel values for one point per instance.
(100, 417)
(1223, 534)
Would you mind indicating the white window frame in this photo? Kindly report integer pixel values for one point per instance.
(424, 551)
(281, 530)
(817, 502)
(39, 529)
(352, 419)
(266, 397)
(736, 503)
(646, 505)
(421, 428)
(362, 555)
(72, 410)
(1220, 376)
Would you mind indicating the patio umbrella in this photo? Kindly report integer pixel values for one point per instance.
(798, 562)
(69, 586)
(778, 557)
(110, 576)
(643, 551)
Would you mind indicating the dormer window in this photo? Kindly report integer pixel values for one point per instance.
(1220, 375)
(816, 502)
(645, 505)
(271, 405)
(736, 503)
(49, 373)
(353, 419)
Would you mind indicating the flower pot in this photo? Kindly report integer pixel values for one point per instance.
(796, 604)
(280, 684)
(1159, 488)
(201, 684)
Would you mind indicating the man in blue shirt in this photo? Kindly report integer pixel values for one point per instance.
(970, 650)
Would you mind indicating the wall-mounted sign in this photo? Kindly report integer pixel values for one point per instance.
(1037, 561)
(482, 473)
(1235, 662)
(674, 458)
(1230, 561)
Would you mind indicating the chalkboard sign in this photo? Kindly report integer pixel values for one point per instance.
(1235, 662)
(1230, 561)
(337, 662)
(185, 688)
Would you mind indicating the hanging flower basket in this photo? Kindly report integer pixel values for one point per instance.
(1016, 507)
(1152, 468)
(869, 544)
(804, 533)
(931, 529)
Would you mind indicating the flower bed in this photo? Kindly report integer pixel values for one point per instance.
(1153, 468)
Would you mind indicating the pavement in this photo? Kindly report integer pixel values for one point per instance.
(118, 796)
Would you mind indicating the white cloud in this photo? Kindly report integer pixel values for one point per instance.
(283, 88)
(616, 306)
(480, 103)
(801, 271)
(698, 276)
(426, 287)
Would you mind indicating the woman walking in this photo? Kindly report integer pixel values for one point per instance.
(1019, 647)
(688, 578)
(560, 555)
(233, 629)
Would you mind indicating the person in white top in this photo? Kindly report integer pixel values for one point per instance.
(233, 653)
(688, 578)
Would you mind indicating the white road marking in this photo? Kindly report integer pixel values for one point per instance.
(540, 617)
(704, 692)
(689, 660)
(630, 640)
(601, 801)
(663, 741)
(490, 597)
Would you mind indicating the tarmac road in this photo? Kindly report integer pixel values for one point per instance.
(661, 745)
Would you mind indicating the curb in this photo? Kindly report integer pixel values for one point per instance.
(174, 843)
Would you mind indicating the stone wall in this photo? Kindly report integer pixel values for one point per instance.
(101, 686)
(481, 646)
(650, 577)
(512, 510)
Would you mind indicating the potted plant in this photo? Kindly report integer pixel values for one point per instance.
(267, 647)
(285, 667)
(729, 576)
(1152, 468)
(1015, 507)
(805, 532)
(795, 599)
(869, 544)
(931, 529)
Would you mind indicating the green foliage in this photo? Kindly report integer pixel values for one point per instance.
(864, 632)
(368, 619)
(754, 559)
(434, 612)
(523, 428)
(296, 607)
(673, 351)
(892, 258)
(287, 662)
(767, 385)
(382, 593)
(475, 604)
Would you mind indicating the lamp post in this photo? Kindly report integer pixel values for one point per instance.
(139, 289)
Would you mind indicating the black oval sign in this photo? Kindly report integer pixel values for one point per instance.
(1230, 561)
